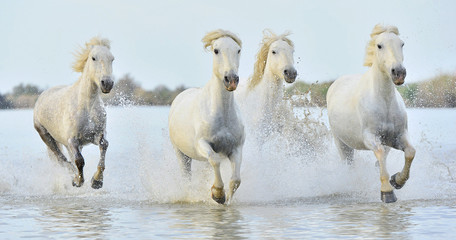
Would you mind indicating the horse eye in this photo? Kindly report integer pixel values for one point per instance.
(93, 58)
(216, 51)
(402, 44)
(274, 52)
(239, 51)
(379, 46)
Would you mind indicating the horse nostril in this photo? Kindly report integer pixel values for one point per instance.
(226, 79)
(394, 71)
(102, 82)
(285, 72)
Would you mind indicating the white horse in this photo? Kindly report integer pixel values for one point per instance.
(204, 123)
(273, 66)
(366, 112)
(74, 115)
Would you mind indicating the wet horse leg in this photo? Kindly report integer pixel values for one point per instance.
(52, 145)
(75, 150)
(205, 150)
(185, 163)
(381, 152)
(236, 159)
(387, 193)
(345, 151)
(97, 179)
(398, 180)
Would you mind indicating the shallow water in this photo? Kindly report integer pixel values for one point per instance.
(280, 196)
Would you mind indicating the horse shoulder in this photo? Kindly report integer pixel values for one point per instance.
(183, 119)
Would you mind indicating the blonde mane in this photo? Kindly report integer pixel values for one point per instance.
(210, 37)
(268, 38)
(83, 53)
(370, 49)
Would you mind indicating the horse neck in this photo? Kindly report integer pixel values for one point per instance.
(221, 100)
(87, 91)
(271, 89)
(381, 84)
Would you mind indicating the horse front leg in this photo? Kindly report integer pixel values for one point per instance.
(381, 152)
(205, 150)
(235, 159)
(386, 190)
(75, 150)
(97, 179)
(398, 180)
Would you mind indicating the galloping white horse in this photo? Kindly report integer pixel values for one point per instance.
(74, 115)
(274, 65)
(204, 123)
(366, 112)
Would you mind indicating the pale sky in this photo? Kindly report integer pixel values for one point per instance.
(159, 42)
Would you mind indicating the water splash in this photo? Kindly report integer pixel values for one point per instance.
(141, 164)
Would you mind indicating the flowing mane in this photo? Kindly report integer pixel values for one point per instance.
(370, 49)
(268, 38)
(83, 53)
(216, 34)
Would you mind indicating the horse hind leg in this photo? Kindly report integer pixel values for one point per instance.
(345, 151)
(52, 145)
(185, 163)
(97, 179)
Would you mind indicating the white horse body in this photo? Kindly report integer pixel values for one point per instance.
(74, 115)
(205, 123)
(379, 112)
(366, 112)
(82, 116)
(208, 121)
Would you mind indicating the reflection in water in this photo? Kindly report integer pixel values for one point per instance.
(80, 220)
(371, 220)
(218, 222)
(104, 218)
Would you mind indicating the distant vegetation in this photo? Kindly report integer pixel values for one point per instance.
(437, 92)
(126, 92)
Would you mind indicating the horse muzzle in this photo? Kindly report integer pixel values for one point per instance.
(231, 81)
(290, 75)
(398, 75)
(106, 84)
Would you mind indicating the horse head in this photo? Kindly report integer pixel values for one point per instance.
(95, 61)
(386, 52)
(280, 61)
(275, 57)
(226, 49)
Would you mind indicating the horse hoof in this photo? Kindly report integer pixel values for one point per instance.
(388, 197)
(97, 184)
(394, 183)
(77, 184)
(78, 181)
(218, 195)
(219, 200)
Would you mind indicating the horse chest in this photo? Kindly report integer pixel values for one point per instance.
(91, 128)
(225, 138)
(390, 131)
(224, 142)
